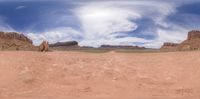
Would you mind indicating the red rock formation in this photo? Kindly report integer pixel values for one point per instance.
(169, 46)
(14, 35)
(193, 35)
(44, 46)
(15, 41)
(191, 43)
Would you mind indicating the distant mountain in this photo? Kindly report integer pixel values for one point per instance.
(66, 44)
(15, 41)
(121, 47)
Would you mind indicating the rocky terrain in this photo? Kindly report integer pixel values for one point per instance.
(191, 43)
(15, 41)
(78, 75)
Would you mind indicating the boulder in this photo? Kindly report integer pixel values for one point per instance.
(44, 46)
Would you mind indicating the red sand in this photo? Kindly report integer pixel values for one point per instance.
(79, 75)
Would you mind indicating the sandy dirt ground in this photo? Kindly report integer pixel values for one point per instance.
(80, 75)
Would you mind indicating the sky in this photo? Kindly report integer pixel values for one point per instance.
(147, 23)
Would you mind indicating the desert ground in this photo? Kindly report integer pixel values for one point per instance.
(109, 75)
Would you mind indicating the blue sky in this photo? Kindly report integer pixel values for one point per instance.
(146, 23)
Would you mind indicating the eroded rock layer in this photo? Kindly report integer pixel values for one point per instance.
(15, 41)
(169, 46)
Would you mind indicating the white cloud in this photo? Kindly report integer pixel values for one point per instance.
(4, 26)
(113, 41)
(55, 35)
(20, 7)
(102, 22)
(176, 35)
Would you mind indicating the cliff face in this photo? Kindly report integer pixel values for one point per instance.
(193, 35)
(15, 41)
(191, 43)
(169, 46)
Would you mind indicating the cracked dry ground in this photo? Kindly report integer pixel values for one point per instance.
(79, 75)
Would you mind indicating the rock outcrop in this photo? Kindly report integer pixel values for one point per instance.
(191, 43)
(44, 46)
(169, 46)
(15, 41)
(195, 34)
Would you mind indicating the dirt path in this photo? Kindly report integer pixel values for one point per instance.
(79, 75)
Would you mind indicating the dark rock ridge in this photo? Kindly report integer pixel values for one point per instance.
(67, 44)
(64, 45)
(191, 43)
(15, 41)
(121, 47)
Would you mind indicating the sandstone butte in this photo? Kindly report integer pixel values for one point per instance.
(191, 43)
